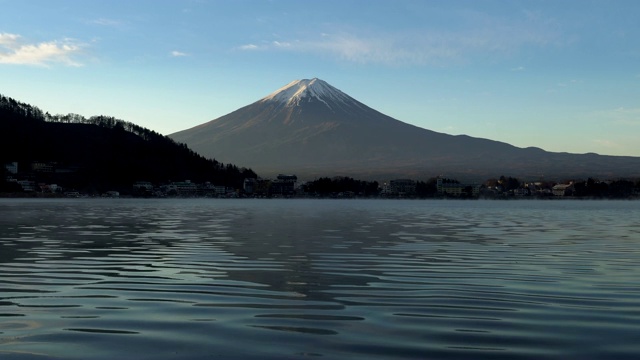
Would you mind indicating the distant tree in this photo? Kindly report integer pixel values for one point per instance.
(491, 183)
(426, 189)
(6, 186)
(508, 183)
(621, 189)
(325, 186)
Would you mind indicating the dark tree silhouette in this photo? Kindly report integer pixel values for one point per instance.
(330, 187)
(103, 153)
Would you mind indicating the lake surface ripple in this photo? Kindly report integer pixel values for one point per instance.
(333, 279)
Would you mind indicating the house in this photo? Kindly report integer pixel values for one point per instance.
(142, 186)
(182, 188)
(27, 185)
(521, 192)
(454, 188)
(49, 188)
(562, 189)
(185, 187)
(219, 190)
(402, 187)
(111, 194)
(283, 185)
(12, 167)
(261, 187)
(249, 185)
(42, 167)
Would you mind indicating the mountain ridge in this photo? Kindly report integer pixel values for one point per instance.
(310, 128)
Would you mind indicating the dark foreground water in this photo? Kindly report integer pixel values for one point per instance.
(293, 279)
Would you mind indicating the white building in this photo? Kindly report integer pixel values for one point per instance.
(562, 189)
(453, 188)
(12, 167)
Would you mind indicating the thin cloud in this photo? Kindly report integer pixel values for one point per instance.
(427, 47)
(14, 51)
(352, 48)
(398, 49)
(106, 22)
(249, 47)
(266, 46)
(176, 53)
(280, 44)
(117, 24)
(618, 119)
(607, 143)
(8, 39)
(625, 116)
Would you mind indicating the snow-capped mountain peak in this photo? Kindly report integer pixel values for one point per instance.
(297, 91)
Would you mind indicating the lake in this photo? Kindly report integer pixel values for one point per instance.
(333, 279)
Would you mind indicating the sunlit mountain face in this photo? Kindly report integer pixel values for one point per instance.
(310, 128)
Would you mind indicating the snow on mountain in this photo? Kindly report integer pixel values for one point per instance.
(312, 129)
(295, 92)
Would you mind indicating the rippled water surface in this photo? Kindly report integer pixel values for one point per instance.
(292, 279)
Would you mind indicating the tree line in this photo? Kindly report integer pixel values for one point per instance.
(325, 186)
(101, 153)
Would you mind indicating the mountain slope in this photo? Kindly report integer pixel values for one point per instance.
(103, 153)
(310, 128)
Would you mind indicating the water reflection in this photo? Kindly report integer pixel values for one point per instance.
(339, 279)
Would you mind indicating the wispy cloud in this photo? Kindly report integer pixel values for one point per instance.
(607, 143)
(280, 44)
(624, 116)
(176, 53)
(354, 48)
(416, 47)
(269, 45)
(249, 47)
(623, 121)
(14, 51)
(8, 39)
(106, 22)
(564, 86)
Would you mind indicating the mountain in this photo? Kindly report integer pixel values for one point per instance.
(310, 128)
(100, 153)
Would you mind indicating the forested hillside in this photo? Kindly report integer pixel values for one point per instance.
(102, 152)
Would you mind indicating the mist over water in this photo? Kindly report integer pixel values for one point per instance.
(333, 279)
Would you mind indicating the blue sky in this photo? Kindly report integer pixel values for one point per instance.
(563, 75)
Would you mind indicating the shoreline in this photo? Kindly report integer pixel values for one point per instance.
(481, 198)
